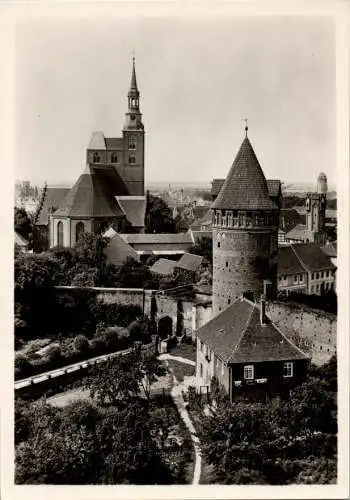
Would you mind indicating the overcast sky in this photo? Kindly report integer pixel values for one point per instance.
(198, 80)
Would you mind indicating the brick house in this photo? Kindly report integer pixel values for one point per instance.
(246, 352)
(305, 268)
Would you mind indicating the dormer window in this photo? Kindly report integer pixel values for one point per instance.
(114, 158)
(131, 142)
(96, 158)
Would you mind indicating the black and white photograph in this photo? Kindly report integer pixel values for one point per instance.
(179, 261)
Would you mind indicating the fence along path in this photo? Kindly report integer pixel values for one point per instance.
(58, 372)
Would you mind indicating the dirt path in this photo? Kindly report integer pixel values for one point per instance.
(166, 356)
(177, 395)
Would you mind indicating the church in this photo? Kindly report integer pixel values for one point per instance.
(110, 192)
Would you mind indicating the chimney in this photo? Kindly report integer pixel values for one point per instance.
(263, 319)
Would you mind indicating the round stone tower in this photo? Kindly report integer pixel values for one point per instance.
(322, 183)
(245, 233)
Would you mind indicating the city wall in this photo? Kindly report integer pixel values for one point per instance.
(313, 331)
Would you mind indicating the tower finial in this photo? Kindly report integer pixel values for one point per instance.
(246, 126)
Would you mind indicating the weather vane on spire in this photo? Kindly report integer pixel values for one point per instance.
(133, 55)
(246, 126)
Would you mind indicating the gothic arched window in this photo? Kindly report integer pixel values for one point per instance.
(114, 158)
(79, 230)
(60, 234)
(96, 158)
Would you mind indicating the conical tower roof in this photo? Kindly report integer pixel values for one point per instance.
(245, 187)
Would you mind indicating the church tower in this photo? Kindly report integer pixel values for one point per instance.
(245, 233)
(134, 140)
(316, 211)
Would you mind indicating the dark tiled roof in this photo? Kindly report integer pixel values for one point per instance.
(190, 262)
(114, 142)
(330, 249)
(288, 262)
(167, 238)
(163, 266)
(20, 241)
(299, 232)
(312, 257)
(245, 187)
(200, 211)
(93, 195)
(273, 187)
(236, 336)
(53, 199)
(216, 185)
(134, 208)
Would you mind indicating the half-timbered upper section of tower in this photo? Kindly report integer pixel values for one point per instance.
(245, 187)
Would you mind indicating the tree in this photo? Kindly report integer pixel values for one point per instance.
(204, 247)
(151, 368)
(158, 217)
(133, 274)
(260, 442)
(58, 450)
(114, 382)
(90, 252)
(34, 291)
(23, 224)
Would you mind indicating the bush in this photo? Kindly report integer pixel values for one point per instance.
(23, 367)
(110, 339)
(81, 343)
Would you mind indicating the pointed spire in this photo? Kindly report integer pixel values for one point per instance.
(246, 126)
(133, 84)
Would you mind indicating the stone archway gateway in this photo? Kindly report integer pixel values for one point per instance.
(165, 327)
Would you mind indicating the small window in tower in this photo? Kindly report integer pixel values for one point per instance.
(131, 142)
(114, 158)
(132, 159)
(218, 244)
(226, 264)
(132, 117)
(96, 158)
(229, 301)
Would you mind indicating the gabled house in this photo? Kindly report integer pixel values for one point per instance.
(246, 352)
(305, 268)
